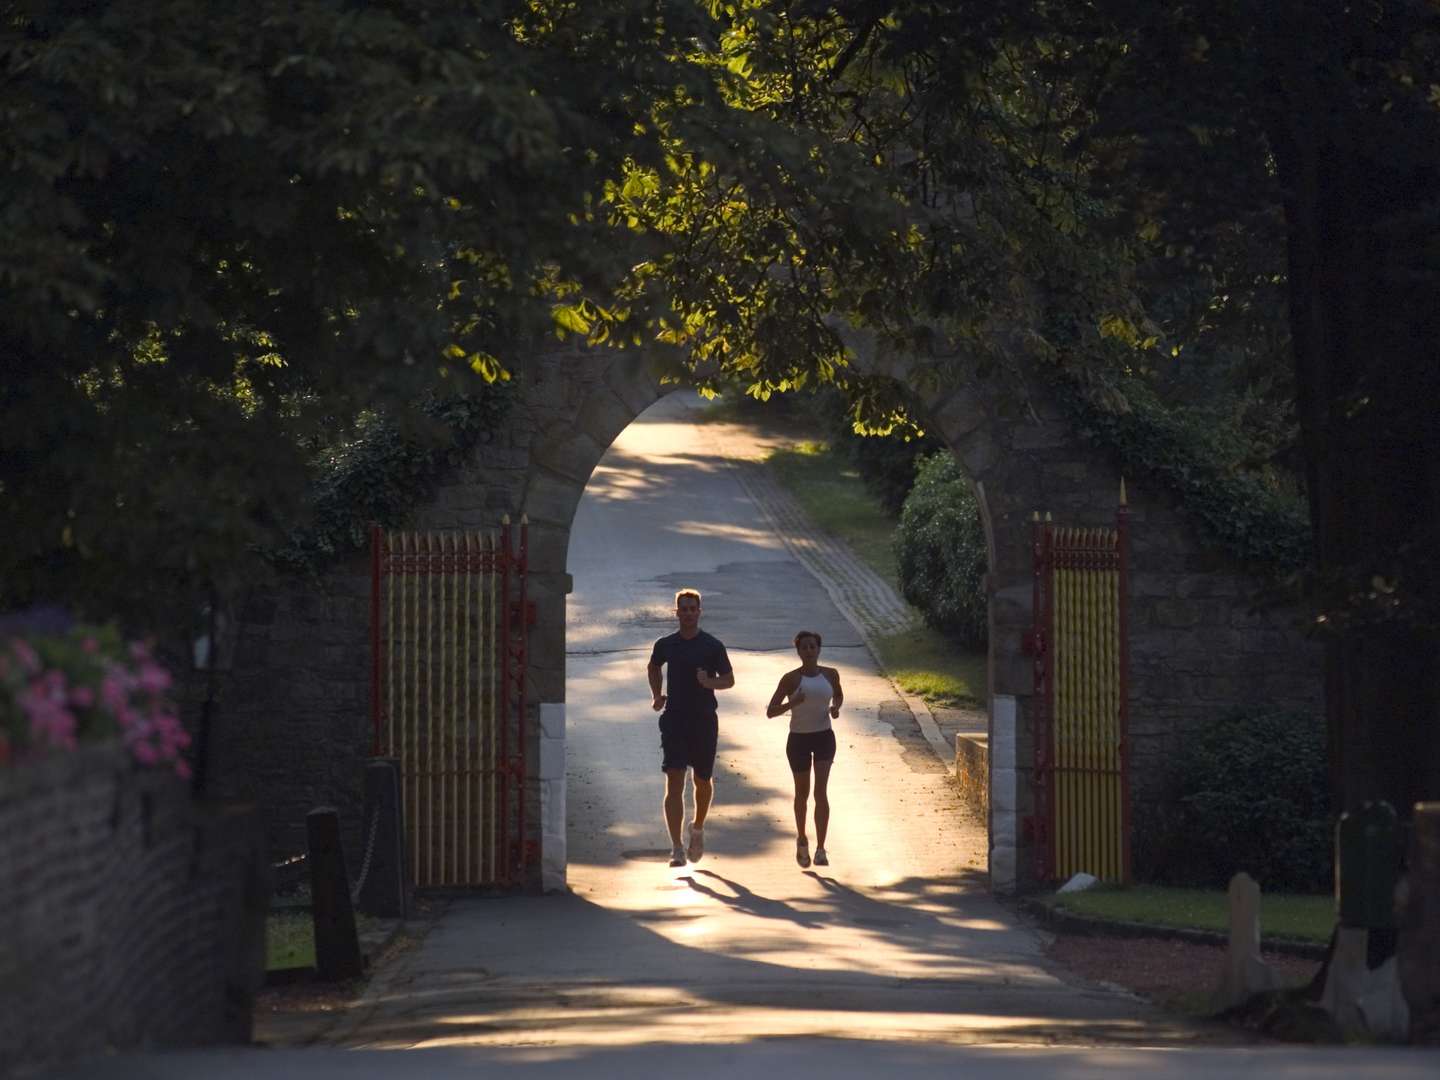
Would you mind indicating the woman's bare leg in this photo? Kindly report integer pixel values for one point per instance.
(802, 797)
(822, 801)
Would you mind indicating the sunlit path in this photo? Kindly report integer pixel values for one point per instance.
(897, 939)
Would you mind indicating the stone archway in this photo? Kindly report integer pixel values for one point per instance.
(1190, 631)
(295, 733)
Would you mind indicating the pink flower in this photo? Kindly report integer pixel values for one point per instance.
(82, 697)
(153, 677)
(43, 702)
(28, 657)
(114, 692)
(91, 645)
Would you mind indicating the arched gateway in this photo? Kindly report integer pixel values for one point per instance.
(295, 730)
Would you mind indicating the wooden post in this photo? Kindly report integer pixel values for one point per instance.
(337, 945)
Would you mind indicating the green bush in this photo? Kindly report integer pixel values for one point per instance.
(940, 550)
(1248, 792)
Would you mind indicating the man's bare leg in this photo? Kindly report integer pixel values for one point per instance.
(704, 792)
(674, 803)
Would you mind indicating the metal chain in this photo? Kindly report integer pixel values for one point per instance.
(369, 853)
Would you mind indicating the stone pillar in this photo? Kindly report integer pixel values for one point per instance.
(551, 777)
(1246, 973)
(1004, 803)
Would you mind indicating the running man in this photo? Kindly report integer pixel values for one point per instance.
(812, 696)
(696, 666)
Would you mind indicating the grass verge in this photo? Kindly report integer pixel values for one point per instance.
(1284, 915)
(834, 498)
(923, 660)
(290, 938)
(927, 663)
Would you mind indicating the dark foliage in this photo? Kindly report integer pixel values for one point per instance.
(1248, 792)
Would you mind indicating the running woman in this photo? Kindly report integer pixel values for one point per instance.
(812, 696)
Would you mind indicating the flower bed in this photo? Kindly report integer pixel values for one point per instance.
(61, 686)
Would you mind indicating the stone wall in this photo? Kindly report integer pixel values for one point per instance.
(132, 916)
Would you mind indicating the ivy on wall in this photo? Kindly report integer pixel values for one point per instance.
(1251, 518)
(385, 472)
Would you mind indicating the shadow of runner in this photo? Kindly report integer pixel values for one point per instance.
(563, 971)
(752, 903)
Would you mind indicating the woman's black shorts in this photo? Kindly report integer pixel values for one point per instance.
(803, 744)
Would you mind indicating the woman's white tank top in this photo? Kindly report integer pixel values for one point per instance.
(812, 714)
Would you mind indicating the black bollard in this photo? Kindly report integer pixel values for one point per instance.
(382, 885)
(337, 945)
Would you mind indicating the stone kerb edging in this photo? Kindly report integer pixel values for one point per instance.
(1071, 922)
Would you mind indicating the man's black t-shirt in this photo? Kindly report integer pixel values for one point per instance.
(685, 697)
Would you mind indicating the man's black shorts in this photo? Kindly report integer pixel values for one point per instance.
(802, 744)
(689, 741)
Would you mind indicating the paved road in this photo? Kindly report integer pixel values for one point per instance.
(897, 939)
(895, 958)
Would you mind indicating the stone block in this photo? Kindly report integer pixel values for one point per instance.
(1176, 614)
(1004, 864)
(1003, 796)
(1003, 832)
(1003, 748)
(1042, 436)
(549, 547)
(569, 453)
(630, 378)
(1012, 606)
(962, 414)
(604, 416)
(552, 499)
(552, 719)
(553, 852)
(552, 759)
(978, 453)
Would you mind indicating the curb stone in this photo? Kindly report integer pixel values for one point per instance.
(1069, 922)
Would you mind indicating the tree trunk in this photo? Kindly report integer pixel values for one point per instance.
(1366, 323)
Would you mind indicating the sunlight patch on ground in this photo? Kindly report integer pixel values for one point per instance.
(666, 1014)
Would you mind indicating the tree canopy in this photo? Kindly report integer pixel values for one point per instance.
(235, 235)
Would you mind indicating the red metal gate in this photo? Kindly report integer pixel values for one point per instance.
(1080, 645)
(449, 646)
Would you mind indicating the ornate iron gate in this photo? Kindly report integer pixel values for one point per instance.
(1081, 650)
(448, 638)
